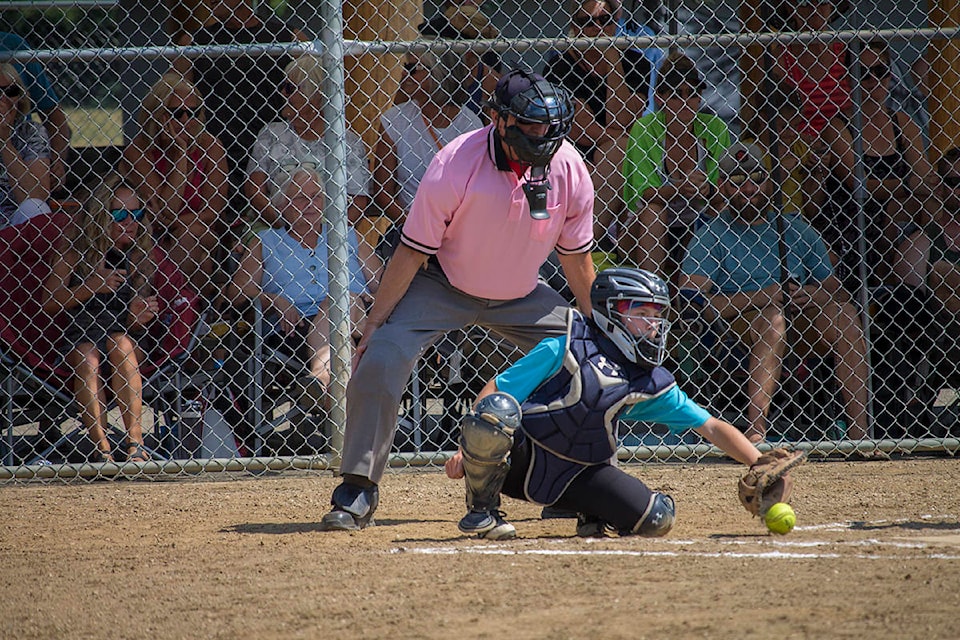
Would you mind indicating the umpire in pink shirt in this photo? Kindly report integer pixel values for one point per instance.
(491, 207)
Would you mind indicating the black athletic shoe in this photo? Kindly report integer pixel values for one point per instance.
(590, 526)
(489, 525)
(340, 520)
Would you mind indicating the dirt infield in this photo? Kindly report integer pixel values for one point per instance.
(876, 554)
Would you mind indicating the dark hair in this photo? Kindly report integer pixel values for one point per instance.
(949, 158)
(678, 69)
(880, 47)
(613, 5)
(779, 14)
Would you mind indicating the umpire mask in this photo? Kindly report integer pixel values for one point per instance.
(530, 99)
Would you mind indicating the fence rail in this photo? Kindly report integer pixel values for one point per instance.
(247, 110)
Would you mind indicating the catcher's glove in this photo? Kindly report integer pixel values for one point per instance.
(768, 481)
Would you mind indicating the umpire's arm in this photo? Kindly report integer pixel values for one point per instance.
(578, 268)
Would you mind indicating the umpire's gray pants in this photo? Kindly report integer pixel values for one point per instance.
(430, 308)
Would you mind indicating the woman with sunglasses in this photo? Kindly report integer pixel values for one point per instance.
(25, 149)
(597, 78)
(298, 139)
(180, 171)
(899, 181)
(101, 285)
(670, 169)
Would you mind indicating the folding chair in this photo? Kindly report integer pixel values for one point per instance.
(281, 426)
(35, 385)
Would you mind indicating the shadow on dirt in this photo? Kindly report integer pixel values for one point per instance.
(284, 528)
(909, 526)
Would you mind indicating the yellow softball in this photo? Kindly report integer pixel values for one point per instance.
(780, 518)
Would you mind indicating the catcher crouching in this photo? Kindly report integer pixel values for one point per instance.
(544, 430)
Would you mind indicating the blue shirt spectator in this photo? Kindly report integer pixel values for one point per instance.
(46, 103)
(737, 256)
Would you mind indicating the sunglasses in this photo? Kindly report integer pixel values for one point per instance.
(11, 90)
(119, 215)
(756, 177)
(413, 67)
(877, 72)
(951, 181)
(189, 112)
(584, 20)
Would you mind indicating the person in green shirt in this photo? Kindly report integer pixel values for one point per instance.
(670, 170)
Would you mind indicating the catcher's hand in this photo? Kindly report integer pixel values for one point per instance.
(768, 481)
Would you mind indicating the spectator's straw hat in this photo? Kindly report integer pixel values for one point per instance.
(741, 159)
(460, 22)
(471, 22)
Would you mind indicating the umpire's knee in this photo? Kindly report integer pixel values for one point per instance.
(658, 519)
(383, 371)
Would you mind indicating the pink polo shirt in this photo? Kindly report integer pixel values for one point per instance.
(476, 220)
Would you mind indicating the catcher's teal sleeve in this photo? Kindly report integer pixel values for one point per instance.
(528, 372)
(672, 408)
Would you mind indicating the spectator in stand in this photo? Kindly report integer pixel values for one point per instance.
(939, 243)
(670, 170)
(815, 69)
(101, 282)
(944, 278)
(606, 104)
(298, 138)
(465, 21)
(610, 91)
(24, 154)
(805, 160)
(899, 183)
(46, 103)
(180, 171)
(286, 270)
(412, 132)
(241, 93)
(733, 259)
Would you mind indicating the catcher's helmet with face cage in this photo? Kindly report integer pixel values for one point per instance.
(531, 99)
(613, 293)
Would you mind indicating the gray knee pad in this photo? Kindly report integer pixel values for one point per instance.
(658, 520)
(486, 438)
(360, 502)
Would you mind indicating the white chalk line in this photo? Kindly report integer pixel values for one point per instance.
(512, 548)
(770, 555)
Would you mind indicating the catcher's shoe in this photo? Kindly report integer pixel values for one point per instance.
(590, 526)
(489, 525)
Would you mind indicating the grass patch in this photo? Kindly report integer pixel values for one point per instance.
(95, 127)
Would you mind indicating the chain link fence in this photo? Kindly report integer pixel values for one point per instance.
(199, 201)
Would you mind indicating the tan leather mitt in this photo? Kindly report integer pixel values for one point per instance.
(768, 481)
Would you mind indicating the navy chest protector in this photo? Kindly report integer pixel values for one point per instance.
(570, 419)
